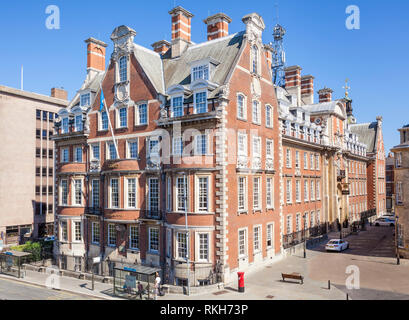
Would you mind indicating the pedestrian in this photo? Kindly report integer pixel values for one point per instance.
(140, 289)
(157, 285)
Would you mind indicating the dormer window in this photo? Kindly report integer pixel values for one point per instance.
(85, 99)
(177, 107)
(200, 72)
(78, 123)
(65, 125)
(123, 69)
(201, 102)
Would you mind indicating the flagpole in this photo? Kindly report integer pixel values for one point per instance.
(110, 125)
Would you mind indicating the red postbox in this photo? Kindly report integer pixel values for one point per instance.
(241, 281)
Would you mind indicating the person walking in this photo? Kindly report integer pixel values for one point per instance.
(140, 290)
(157, 285)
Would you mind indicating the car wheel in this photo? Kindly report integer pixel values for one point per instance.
(376, 224)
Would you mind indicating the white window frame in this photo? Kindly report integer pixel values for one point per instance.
(195, 107)
(288, 160)
(197, 153)
(95, 228)
(74, 230)
(127, 194)
(181, 245)
(257, 197)
(73, 192)
(92, 192)
(150, 239)
(93, 151)
(289, 224)
(173, 106)
(289, 187)
(149, 193)
(197, 193)
(259, 239)
(123, 69)
(270, 192)
(269, 116)
(245, 201)
(63, 160)
(242, 150)
(109, 153)
(256, 113)
(270, 235)
(306, 191)
(111, 227)
(61, 192)
(133, 228)
(298, 191)
(199, 247)
(128, 148)
(111, 206)
(101, 120)
(138, 114)
(119, 120)
(177, 142)
(244, 117)
(185, 186)
(246, 250)
(76, 154)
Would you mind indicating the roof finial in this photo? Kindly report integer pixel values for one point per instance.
(346, 87)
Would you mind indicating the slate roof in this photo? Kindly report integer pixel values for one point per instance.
(223, 50)
(367, 134)
(151, 63)
(323, 107)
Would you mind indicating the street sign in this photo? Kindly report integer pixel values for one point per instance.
(96, 260)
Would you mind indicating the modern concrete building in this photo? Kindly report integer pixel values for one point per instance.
(27, 162)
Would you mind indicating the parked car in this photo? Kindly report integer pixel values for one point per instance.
(337, 245)
(384, 222)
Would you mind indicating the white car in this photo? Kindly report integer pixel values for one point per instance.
(337, 245)
(384, 222)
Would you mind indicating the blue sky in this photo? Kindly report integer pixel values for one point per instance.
(374, 58)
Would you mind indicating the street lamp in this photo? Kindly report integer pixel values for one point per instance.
(397, 240)
(305, 237)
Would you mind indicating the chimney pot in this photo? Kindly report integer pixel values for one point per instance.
(217, 26)
(96, 51)
(161, 46)
(181, 30)
(59, 93)
(325, 95)
(307, 89)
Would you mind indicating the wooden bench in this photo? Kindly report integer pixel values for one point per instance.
(293, 276)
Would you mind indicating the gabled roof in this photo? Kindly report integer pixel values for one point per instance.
(151, 64)
(224, 50)
(92, 84)
(367, 134)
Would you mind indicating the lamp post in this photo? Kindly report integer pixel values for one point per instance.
(305, 237)
(397, 240)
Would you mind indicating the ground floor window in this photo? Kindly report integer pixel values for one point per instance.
(111, 235)
(203, 282)
(154, 239)
(77, 264)
(181, 282)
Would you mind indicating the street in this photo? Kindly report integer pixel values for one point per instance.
(15, 290)
(373, 252)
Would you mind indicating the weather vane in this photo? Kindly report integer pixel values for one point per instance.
(346, 87)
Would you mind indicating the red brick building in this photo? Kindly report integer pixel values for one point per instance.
(210, 161)
(178, 113)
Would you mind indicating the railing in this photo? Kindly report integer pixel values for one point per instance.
(93, 211)
(292, 239)
(151, 214)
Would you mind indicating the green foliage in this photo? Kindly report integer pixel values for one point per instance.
(37, 249)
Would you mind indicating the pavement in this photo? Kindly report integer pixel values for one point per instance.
(68, 287)
(371, 258)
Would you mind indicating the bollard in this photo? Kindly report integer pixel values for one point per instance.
(347, 297)
(329, 284)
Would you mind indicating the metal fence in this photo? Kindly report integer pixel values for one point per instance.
(293, 239)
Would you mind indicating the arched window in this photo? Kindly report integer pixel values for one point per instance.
(254, 50)
(123, 69)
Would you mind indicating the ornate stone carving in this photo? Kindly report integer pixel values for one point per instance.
(269, 164)
(242, 162)
(94, 165)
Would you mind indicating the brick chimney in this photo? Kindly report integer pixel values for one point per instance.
(161, 46)
(96, 50)
(181, 30)
(59, 93)
(325, 95)
(307, 89)
(217, 26)
(293, 82)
